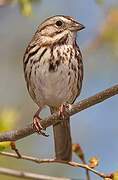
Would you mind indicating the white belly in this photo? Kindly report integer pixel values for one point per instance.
(54, 88)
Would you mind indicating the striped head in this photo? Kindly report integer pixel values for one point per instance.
(55, 28)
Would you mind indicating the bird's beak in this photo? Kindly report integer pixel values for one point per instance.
(76, 26)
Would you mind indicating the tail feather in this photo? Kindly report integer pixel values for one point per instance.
(62, 140)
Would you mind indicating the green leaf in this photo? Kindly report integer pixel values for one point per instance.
(26, 7)
(5, 145)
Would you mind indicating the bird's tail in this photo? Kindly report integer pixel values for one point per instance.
(62, 139)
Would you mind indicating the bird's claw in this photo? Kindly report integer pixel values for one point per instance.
(63, 110)
(38, 127)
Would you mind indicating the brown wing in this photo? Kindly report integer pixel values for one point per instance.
(78, 56)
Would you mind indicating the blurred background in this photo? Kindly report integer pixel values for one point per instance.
(95, 129)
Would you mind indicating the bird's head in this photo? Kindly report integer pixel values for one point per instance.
(57, 27)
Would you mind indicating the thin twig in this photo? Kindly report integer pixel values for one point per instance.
(14, 148)
(51, 120)
(41, 161)
(27, 175)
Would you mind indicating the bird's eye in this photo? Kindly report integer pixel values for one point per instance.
(59, 23)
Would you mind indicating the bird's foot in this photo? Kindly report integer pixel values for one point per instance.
(38, 127)
(63, 110)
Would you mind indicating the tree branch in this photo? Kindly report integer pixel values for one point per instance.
(53, 119)
(70, 163)
(27, 175)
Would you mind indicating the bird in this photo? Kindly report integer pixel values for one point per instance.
(53, 70)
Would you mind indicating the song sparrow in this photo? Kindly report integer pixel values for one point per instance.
(54, 72)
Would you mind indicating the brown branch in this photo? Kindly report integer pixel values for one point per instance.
(40, 161)
(27, 175)
(51, 120)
